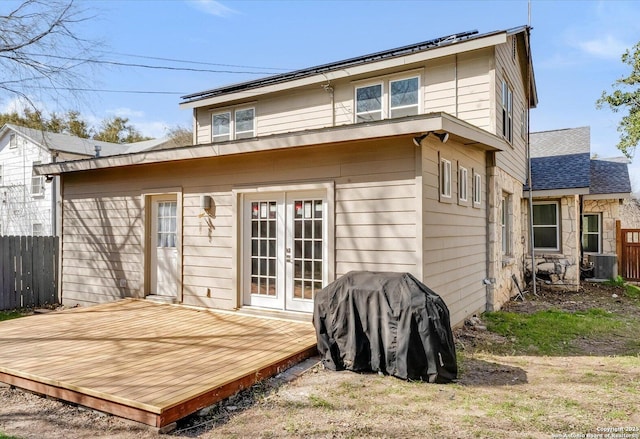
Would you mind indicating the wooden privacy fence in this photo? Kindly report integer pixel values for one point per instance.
(28, 271)
(628, 245)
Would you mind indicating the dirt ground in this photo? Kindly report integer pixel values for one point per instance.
(496, 396)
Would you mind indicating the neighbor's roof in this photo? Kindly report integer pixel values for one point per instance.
(77, 145)
(610, 176)
(560, 159)
(359, 61)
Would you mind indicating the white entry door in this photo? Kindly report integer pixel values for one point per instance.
(284, 251)
(164, 251)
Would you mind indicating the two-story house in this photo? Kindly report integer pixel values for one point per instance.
(28, 202)
(407, 160)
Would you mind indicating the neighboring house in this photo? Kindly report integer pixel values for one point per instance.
(28, 204)
(576, 202)
(407, 160)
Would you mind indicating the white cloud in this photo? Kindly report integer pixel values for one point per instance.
(126, 112)
(608, 47)
(18, 104)
(212, 7)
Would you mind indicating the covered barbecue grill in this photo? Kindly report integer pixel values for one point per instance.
(385, 322)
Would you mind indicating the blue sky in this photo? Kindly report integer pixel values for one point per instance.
(576, 47)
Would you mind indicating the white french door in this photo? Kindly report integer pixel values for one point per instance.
(284, 249)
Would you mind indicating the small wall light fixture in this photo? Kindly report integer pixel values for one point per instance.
(98, 148)
(48, 178)
(442, 136)
(205, 202)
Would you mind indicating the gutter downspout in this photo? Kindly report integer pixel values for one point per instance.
(530, 183)
(54, 199)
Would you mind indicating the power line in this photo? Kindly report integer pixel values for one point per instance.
(149, 92)
(145, 66)
(194, 62)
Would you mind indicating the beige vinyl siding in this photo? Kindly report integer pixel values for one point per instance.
(513, 158)
(459, 85)
(375, 217)
(455, 236)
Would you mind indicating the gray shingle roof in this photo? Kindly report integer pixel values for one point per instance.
(609, 176)
(560, 142)
(560, 159)
(77, 145)
(570, 171)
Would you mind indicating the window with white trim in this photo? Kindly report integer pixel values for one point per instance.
(37, 183)
(505, 223)
(245, 123)
(37, 229)
(477, 189)
(13, 141)
(507, 111)
(591, 233)
(462, 183)
(445, 178)
(369, 103)
(221, 127)
(388, 99)
(546, 226)
(233, 125)
(403, 99)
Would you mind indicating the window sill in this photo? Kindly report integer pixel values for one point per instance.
(508, 261)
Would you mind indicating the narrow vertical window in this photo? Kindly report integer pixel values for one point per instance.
(13, 141)
(445, 178)
(591, 238)
(369, 103)
(505, 224)
(221, 127)
(507, 112)
(37, 182)
(462, 184)
(477, 189)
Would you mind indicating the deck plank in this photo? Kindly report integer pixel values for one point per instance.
(147, 361)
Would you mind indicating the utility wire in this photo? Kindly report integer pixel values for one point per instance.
(145, 66)
(194, 62)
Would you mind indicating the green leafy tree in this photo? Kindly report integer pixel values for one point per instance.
(118, 130)
(626, 96)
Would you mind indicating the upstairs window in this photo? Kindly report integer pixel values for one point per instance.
(13, 141)
(239, 124)
(37, 183)
(546, 229)
(369, 103)
(221, 127)
(388, 99)
(507, 112)
(404, 97)
(591, 233)
(245, 123)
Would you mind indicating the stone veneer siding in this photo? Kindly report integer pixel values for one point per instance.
(561, 268)
(503, 266)
(610, 211)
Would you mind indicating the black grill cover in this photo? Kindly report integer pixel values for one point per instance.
(385, 322)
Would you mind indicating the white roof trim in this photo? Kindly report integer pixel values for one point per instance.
(614, 196)
(560, 192)
(459, 130)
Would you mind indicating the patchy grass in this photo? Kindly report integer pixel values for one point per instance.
(8, 315)
(4, 436)
(551, 332)
(632, 291)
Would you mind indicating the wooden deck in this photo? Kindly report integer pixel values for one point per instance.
(150, 362)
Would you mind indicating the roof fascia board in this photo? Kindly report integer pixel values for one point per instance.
(613, 196)
(438, 52)
(467, 134)
(559, 192)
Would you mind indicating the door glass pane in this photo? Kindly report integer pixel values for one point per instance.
(307, 242)
(263, 248)
(167, 224)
